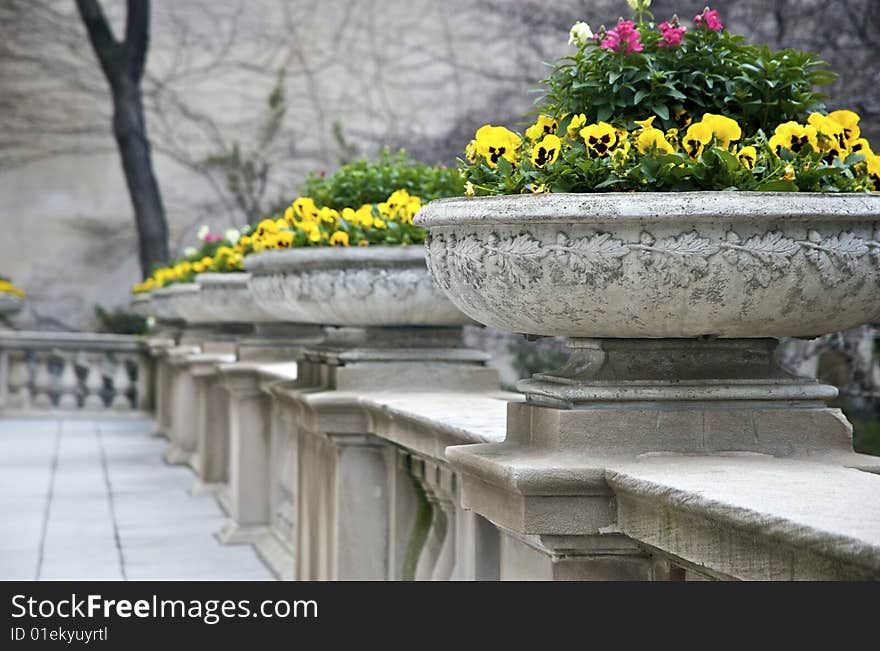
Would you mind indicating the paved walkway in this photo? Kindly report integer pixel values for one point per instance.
(92, 499)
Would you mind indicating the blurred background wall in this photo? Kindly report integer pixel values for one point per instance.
(288, 87)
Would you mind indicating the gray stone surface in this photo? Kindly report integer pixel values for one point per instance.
(360, 286)
(91, 499)
(727, 264)
(225, 297)
(753, 516)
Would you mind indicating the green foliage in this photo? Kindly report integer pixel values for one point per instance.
(710, 72)
(372, 181)
(120, 322)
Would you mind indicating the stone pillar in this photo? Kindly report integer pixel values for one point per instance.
(182, 432)
(248, 420)
(212, 446)
(348, 480)
(159, 349)
(614, 400)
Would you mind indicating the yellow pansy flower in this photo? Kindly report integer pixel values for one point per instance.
(829, 134)
(305, 208)
(494, 143)
(873, 165)
(266, 226)
(470, 152)
(649, 138)
(794, 137)
(748, 156)
(601, 138)
(544, 126)
(849, 120)
(723, 128)
(788, 173)
(546, 151)
(339, 238)
(577, 123)
(682, 118)
(696, 138)
(861, 146)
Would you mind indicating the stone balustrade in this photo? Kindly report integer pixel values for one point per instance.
(73, 372)
(342, 458)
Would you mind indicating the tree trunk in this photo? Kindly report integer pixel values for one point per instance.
(130, 131)
(123, 66)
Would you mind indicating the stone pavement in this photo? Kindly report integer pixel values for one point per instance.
(92, 499)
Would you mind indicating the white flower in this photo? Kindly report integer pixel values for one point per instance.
(231, 235)
(189, 251)
(579, 34)
(203, 232)
(634, 4)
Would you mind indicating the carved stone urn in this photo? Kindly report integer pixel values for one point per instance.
(142, 304)
(10, 304)
(163, 305)
(226, 298)
(186, 302)
(375, 305)
(671, 303)
(360, 286)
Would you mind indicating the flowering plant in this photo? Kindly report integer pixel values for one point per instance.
(675, 73)
(215, 253)
(6, 287)
(372, 181)
(305, 224)
(640, 108)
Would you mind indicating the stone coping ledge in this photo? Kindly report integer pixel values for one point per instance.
(829, 510)
(72, 341)
(645, 207)
(412, 255)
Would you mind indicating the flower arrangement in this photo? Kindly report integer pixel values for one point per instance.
(215, 253)
(367, 202)
(7, 287)
(659, 107)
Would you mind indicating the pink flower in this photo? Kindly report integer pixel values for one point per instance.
(672, 34)
(709, 19)
(212, 237)
(623, 38)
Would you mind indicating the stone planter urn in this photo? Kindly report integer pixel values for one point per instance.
(375, 304)
(671, 304)
(163, 306)
(665, 275)
(10, 305)
(226, 298)
(362, 286)
(142, 304)
(184, 300)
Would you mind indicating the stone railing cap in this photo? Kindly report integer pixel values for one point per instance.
(647, 207)
(412, 255)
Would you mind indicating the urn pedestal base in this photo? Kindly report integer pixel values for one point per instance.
(333, 474)
(617, 400)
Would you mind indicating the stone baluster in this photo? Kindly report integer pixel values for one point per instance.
(43, 382)
(121, 384)
(94, 383)
(68, 384)
(19, 390)
(410, 518)
(143, 372)
(429, 558)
